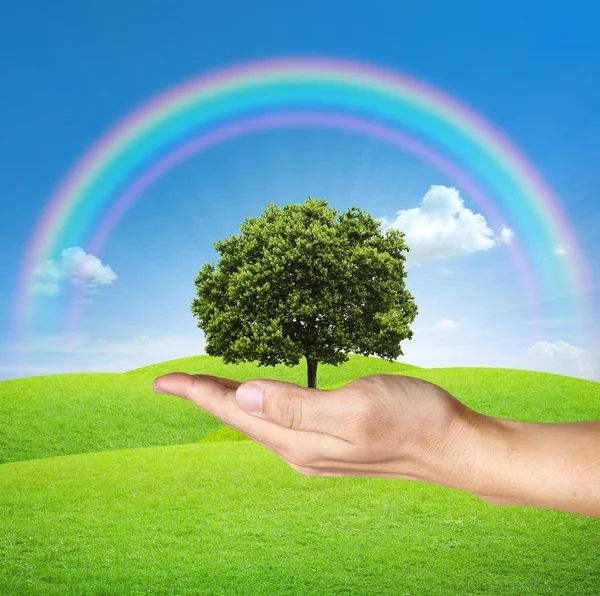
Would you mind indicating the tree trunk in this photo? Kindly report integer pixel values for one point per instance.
(311, 365)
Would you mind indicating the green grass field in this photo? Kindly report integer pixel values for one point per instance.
(108, 488)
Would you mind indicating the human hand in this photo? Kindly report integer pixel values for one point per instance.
(380, 426)
(392, 426)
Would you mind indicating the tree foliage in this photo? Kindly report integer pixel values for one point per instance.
(306, 281)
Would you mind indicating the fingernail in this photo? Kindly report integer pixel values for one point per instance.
(250, 397)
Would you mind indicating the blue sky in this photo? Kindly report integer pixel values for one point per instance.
(73, 71)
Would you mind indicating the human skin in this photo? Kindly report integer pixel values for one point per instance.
(395, 426)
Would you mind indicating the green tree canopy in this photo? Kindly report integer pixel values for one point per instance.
(306, 281)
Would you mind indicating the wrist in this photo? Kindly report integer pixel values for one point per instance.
(533, 464)
(461, 451)
(499, 455)
(481, 455)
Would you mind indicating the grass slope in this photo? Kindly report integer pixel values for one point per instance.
(232, 518)
(82, 413)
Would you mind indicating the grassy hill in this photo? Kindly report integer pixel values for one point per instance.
(199, 511)
(233, 518)
(81, 413)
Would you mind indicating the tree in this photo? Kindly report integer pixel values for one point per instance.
(306, 282)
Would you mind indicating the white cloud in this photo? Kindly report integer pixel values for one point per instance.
(507, 235)
(447, 270)
(76, 352)
(561, 249)
(74, 265)
(442, 227)
(444, 325)
(562, 358)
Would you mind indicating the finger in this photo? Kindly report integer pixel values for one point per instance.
(229, 383)
(175, 383)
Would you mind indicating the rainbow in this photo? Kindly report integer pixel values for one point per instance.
(307, 92)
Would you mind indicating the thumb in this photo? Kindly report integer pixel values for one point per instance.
(286, 404)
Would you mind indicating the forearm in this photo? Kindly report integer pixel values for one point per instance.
(550, 466)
